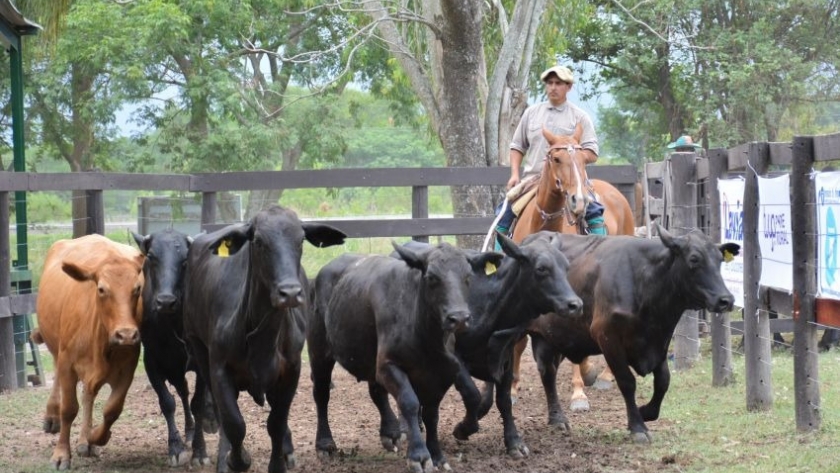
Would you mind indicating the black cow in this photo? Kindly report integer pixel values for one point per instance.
(530, 282)
(245, 305)
(162, 333)
(391, 323)
(634, 292)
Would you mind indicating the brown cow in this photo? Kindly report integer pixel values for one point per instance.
(89, 311)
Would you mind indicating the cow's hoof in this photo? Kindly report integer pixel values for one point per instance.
(52, 426)
(426, 466)
(392, 444)
(560, 422)
(291, 461)
(641, 437)
(180, 459)
(61, 462)
(603, 384)
(87, 450)
(209, 425)
(243, 463)
(579, 405)
(464, 429)
(198, 462)
(518, 450)
(445, 467)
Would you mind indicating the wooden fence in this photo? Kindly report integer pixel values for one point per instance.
(419, 226)
(689, 182)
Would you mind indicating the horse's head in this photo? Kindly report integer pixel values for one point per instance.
(567, 168)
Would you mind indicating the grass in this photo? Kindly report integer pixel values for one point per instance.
(725, 437)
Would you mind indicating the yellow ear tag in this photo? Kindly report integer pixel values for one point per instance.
(489, 268)
(728, 256)
(224, 249)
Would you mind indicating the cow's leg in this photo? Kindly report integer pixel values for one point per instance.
(518, 350)
(472, 402)
(398, 385)
(547, 363)
(390, 433)
(86, 446)
(280, 399)
(178, 456)
(486, 399)
(516, 448)
(183, 391)
(321, 367)
(68, 410)
(626, 381)
(661, 382)
(225, 394)
(52, 419)
(430, 414)
(114, 406)
(198, 405)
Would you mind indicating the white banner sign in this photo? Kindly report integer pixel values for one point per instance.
(732, 231)
(774, 233)
(827, 185)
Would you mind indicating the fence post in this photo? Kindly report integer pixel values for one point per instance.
(756, 323)
(208, 208)
(804, 232)
(683, 210)
(95, 212)
(420, 207)
(720, 331)
(8, 365)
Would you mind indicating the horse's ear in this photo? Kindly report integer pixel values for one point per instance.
(550, 137)
(578, 132)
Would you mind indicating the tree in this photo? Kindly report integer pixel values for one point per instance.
(730, 71)
(468, 66)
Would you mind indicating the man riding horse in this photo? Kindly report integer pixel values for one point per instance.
(559, 117)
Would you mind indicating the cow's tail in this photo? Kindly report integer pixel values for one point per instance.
(36, 337)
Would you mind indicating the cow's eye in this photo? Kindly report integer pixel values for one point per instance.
(542, 270)
(694, 260)
(432, 279)
(101, 290)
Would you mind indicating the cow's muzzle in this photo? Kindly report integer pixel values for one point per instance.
(287, 296)
(723, 304)
(456, 321)
(125, 336)
(166, 303)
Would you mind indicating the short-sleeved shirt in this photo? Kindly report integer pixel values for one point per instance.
(528, 138)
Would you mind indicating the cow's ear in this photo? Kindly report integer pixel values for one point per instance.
(414, 259)
(508, 246)
(485, 262)
(729, 250)
(77, 272)
(231, 241)
(143, 242)
(322, 235)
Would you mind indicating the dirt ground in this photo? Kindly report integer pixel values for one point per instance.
(598, 443)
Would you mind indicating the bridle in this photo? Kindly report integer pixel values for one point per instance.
(571, 219)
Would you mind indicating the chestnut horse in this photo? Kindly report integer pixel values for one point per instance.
(559, 205)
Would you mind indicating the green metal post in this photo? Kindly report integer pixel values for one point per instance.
(23, 286)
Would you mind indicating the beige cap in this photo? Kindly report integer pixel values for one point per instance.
(563, 73)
